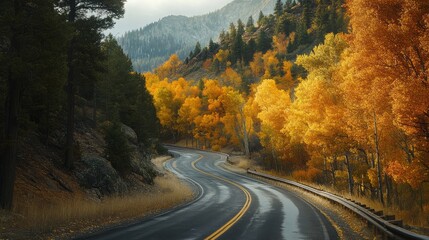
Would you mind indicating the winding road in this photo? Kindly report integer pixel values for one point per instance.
(228, 206)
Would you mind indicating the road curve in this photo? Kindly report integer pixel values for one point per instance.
(228, 206)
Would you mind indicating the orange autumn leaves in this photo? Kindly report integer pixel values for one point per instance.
(388, 64)
(210, 113)
(323, 124)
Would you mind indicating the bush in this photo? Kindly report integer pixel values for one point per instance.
(216, 148)
(117, 150)
(308, 175)
(160, 149)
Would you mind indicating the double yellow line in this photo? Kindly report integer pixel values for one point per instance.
(239, 215)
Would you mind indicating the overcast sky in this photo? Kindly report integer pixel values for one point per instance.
(139, 13)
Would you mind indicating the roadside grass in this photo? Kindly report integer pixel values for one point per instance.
(110, 210)
(66, 218)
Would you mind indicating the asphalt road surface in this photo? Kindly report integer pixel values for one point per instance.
(228, 206)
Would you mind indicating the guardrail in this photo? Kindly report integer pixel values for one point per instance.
(383, 225)
(197, 149)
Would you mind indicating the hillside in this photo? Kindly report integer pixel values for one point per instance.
(148, 47)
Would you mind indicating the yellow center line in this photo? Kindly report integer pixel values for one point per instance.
(238, 216)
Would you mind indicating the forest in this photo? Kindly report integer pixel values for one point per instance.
(59, 73)
(328, 92)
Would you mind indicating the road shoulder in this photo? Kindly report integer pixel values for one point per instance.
(346, 225)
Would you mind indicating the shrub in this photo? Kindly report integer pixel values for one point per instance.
(117, 150)
(308, 175)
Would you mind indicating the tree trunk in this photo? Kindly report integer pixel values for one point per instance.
(8, 149)
(421, 196)
(47, 129)
(349, 173)
(396, 196)
(246, 140)
(275, 160)
(325, 170)
(377, 155)
(333, 169)
(8, 153)
(388, 182)
(70, 94)
(94, 107)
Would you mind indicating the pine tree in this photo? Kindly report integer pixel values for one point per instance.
(197, 50)
(263, 41)
(117, 150)
(144, 120)
(288, 5)
(278, 9)
(101, 13)
(240, 27)
(307, 12)
(261, 18)
(232, 32)
(322, 22)
(23, 62)
(250, 25)
(249, 50)
(213, 46)
(114, 81)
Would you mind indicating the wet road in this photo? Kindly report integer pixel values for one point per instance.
(228, 206)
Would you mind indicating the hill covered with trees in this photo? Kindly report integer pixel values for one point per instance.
(328, 92)
(151, 45)
(66, 93)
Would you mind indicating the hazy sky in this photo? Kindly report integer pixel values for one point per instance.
(139, 13)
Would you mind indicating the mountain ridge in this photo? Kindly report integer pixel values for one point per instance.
(151, 45)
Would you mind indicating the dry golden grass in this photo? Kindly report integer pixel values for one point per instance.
(63, 219)
(171, 192)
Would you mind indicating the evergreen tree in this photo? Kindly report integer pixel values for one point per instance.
(302, 36)
(250, 25)
(117, 150)
(144, 121)
(197, 50)
(124, 96)
(101, 13)
(308, 7)
(213, 46)
(114, 82)
(223, 39)
(240, 27)
(261, 18)
(249, 51)
(264, 42)
(288, 6)
(285, 24)
(322, 22)
(204, 54)
(23, 31)
(232, 32)
(278, 9)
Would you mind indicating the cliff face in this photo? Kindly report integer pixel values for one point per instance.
(148, 47)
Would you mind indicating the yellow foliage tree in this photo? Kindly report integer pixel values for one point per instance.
(231, 78)
(257, 65)
(274, 106)
(169, 68)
